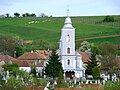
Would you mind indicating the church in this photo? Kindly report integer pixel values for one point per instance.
(71, 60)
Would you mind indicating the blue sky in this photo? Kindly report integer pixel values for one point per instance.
(59, 7)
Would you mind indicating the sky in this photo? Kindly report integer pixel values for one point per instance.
(59, 7)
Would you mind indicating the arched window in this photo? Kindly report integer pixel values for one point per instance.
(68, 50)
(68, 62)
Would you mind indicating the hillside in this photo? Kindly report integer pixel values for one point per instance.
(49, 28)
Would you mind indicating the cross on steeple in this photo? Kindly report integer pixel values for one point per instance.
(67, 12)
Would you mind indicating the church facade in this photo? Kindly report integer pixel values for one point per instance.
(71, 60)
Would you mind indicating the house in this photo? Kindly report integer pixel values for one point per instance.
(46, 53)
(34, 58)
(23, 64)
(36, 55)
(2, 16)
(27, 64)
(6, 59)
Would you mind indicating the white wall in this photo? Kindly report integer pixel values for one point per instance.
(27, 69)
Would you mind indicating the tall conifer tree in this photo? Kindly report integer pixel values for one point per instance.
(53, 66)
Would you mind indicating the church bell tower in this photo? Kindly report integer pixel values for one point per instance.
(67, 45)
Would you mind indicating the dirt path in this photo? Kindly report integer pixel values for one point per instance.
(82, 39)
(99, 37)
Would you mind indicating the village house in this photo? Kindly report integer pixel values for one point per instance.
(34, 58)
(2, 16)
(27, 60)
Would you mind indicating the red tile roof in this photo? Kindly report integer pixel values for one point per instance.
(21, 63)
(28, 63)
(85, 57)
(32, 56)
(44, 52)
(6, 58)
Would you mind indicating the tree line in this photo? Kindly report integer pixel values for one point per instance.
(16, 14)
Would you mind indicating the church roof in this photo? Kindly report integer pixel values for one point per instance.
(68, 23)
(85, 57)
(68, 20)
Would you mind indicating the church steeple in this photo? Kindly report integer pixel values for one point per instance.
(68, 22)
(70, 60)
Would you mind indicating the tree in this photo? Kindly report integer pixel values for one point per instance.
(32, 15)
(19, 51)
(16, 14)
(7, 14)
(33, 71)
(108, 58)
(60, 80)
(96, 72)
(8, 44)
(53, 66)
(42, 15)
(94, 63)
(85, 46)
(26, 15)
(14, 72)
(109, 19)
(13, 84)
(23, 15)
(41, 44)
(12, 68)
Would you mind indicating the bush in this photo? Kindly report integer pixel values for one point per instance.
(88, 88)
(43, 82)
(109, 19)
(109, 85)
(96, 72)
(13, 84)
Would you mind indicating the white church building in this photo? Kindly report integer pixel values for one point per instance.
(71, 60)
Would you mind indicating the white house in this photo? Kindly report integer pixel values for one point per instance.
(71, 60)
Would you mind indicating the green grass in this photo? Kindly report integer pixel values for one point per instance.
(50, 28)
(114, 40)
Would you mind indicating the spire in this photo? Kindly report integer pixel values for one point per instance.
(67, 12)
(68, 22)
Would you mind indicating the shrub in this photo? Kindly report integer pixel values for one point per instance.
(96, 72)
(111, 85)
(109, 19)
(13, 84)
(43, 82)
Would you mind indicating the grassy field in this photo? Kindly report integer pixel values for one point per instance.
(50, 28)
(114, 40)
